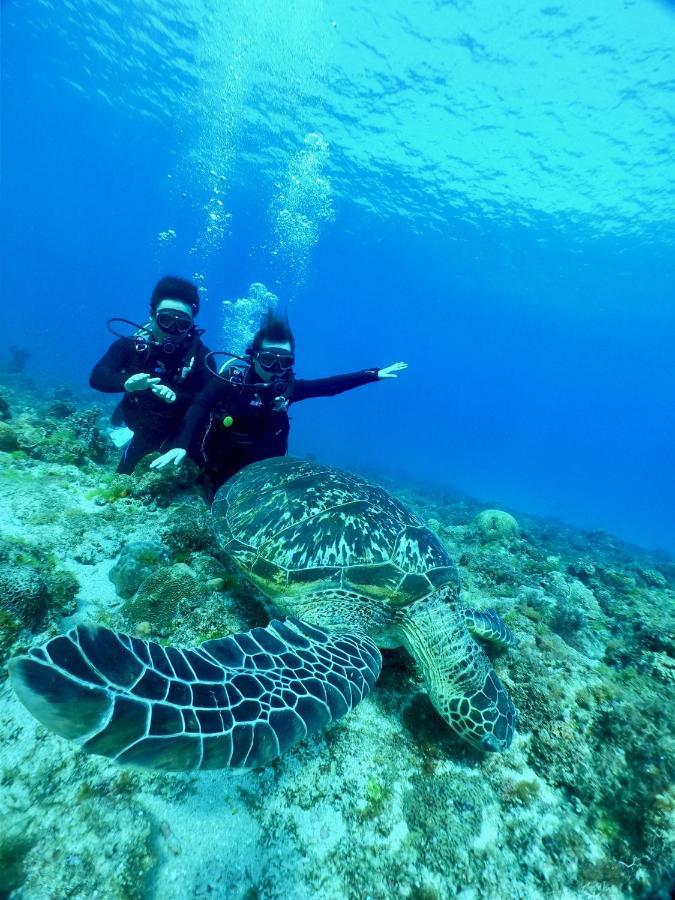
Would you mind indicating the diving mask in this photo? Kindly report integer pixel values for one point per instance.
(173, 321)
(275, 360)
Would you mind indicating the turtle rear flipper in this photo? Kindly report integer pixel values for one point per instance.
(239, 701)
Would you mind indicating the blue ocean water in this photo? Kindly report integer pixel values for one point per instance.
(484, 191)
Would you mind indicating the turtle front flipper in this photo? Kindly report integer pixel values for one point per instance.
(236, 702)
(489, 626)
(462, 684)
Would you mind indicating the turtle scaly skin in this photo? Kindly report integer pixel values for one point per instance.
(240, 701)
(353, 570)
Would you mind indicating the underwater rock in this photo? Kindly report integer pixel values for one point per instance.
(136, 561)
(652, 577)
(8, 438)
(582, 569)
(74, 440)
(63, 588)
(62, 403)
(85, 427)
(576, 616)
(188, 529)
(23, 593)
(161, 486)
(495, 525)
(158, 599)
(29, 433)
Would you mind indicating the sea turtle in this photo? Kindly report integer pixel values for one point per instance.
(353, 570)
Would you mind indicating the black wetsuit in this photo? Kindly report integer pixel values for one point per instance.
(153, 421)
(231, 425)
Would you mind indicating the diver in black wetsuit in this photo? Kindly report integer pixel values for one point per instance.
(242, 415)
(160, 368)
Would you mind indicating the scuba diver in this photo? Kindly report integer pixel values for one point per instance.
(160, 367)
(242, 415)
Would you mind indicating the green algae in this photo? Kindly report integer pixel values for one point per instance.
(377, 796)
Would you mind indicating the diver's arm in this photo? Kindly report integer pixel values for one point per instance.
(109, 375)
(197, 416)
(303, 389)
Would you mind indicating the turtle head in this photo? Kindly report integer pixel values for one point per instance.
(484, 716)
(459, 676)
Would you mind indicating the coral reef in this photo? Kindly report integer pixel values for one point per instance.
(386, 803)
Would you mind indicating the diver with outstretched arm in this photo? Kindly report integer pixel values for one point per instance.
(242, 415)
(160, 368)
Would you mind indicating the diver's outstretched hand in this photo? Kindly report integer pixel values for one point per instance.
(176, 456)
(163, 392)
(392, 370)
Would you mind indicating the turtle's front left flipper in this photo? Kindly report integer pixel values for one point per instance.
(239, 701)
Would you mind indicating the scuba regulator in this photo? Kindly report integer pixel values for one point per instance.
(275, 392)
(144, 341)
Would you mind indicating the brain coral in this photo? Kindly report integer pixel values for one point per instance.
(495, 525)
(23, 593)
(158, 598)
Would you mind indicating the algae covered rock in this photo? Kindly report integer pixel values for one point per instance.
(62, 403)
(188, 529)
(75, 439)
(577, 617)
(161, 486)
(24, 593)
(158, 599)
(63, 588)
(29, 432)
(136, 561)
(10, 627)
(8, 438)
(495, 525)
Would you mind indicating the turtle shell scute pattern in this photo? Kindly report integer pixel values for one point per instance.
(295, 525)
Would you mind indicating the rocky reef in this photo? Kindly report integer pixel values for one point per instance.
(386, 803)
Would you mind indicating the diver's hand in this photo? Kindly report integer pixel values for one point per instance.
(176, 456)
(163, 392)
(392, 370)
(141, 381)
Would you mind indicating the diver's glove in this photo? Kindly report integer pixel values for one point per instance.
(176, 456)
(141, 381)
(163, 392)
(391, 371)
